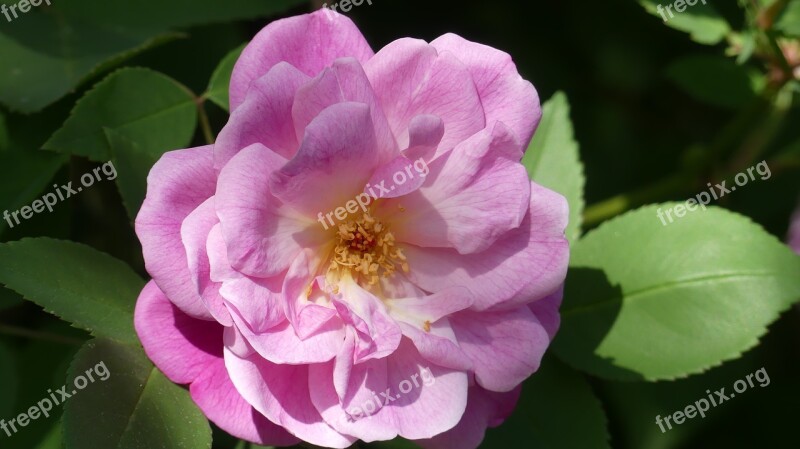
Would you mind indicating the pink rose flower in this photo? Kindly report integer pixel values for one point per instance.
(306, 291)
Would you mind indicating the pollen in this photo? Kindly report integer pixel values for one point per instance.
(365, 250)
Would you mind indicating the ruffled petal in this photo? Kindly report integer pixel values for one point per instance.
(177, 184)
(189, 351)
(309, 42)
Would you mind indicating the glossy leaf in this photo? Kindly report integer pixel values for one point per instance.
(645, 300)
(54, 48)
(221, 79)
(141, 408)
(162, 119)
(703, 23)
(553, 159)
(77, 283)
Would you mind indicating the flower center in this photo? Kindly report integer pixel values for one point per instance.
(366, 251)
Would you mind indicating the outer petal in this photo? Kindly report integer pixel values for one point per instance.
(526, 264)
(426, 399)
(484, 409)
(505, 347)
(411, 78)
(187, 350)
(505, 96)
(309, 42)
(546, 311)
(264, 117)
(281, 393)
(178, 183)
(473, 195)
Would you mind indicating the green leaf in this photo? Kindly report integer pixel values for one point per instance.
(144, 106)
(553, 159)
(44, 364)
(788, 22)
(56, 48)
(221, 79)
(132, 165)
(715, 80)
(136, 406)
(555, 401)
(649, 301)
(79, 284)
(701, 21)
(8, 382)
(37, 168)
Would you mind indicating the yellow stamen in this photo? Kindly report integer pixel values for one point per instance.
(366, 251)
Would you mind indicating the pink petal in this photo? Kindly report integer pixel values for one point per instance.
(438, 345)
(794, 231)
(337, 156)
(505, 96)
(411, 78)
(177, 184)
(484, 409)
(546, 311)
(281, 393)
(425, 132)
(344, 82)
(306, 316)
(281, 345)
(426, 399)
(399, 176)
(524, 265)
(263, 117)
(378, 334)
(473, 195)
(429, 308)
(189, 351)
(309, 42)
(263, 237)
(257, 300)
(363, 387)
(505, 347)
(194, 234)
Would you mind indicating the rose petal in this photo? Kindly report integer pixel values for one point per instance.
(189, 351)
(309, 42)
(177, 184)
